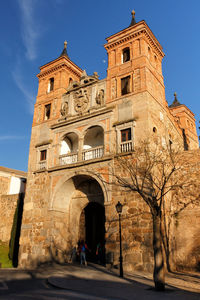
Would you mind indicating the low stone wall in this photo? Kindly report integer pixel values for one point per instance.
(8, 205)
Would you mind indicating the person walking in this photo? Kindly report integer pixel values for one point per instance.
(83, 247)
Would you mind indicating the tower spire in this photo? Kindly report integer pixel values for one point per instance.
(133, 22)
(64, 52)
(175, 102)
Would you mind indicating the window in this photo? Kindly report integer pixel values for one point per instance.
(43, 155)
(126, 55)
(125, 85)
(51, 84)
(126, 135)
(47, 111)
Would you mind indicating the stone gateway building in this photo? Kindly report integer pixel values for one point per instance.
(80, 123)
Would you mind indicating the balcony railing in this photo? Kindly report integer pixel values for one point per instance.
(93, 153)
(126, 146)
(69, 158)
(42, 164)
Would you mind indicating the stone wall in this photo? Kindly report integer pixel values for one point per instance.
(4, 185)
(7, 208)
(185, 229)
(136, 224)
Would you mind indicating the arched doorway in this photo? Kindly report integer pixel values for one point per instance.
(79, 214)
(92, 229)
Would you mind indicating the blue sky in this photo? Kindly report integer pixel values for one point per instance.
(33, 31)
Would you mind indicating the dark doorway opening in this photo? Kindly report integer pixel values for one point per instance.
(95, 231)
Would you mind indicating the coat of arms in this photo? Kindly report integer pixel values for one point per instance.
(81, 100)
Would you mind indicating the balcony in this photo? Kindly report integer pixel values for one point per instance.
(93, 153)
(126, 146)
(69, 158)
(42, 164)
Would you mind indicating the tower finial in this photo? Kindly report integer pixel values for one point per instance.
(133, 22)
(175, 102)
(64, 52)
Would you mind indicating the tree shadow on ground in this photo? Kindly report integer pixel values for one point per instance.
(97, 282)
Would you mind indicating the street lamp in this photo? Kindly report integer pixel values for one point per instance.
(119, 211)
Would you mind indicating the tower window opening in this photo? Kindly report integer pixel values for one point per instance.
(47, 112)
(125, 85)
(43, 155)
(126, 55)
(51, 84)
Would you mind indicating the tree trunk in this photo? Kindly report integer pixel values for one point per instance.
(159, 271)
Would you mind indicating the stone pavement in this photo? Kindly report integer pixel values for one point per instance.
(95, 282)
(98, 281)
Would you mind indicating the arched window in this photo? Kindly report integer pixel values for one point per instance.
(70, 80)
(69, 149)
(126, 55)
(51, 84)
(93, 143)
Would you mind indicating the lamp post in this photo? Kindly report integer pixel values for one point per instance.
(119, 211)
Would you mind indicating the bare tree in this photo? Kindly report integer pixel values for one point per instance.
(156, 174)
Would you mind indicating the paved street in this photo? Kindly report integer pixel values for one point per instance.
(93, 282)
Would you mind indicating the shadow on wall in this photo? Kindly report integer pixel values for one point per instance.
(191, 262)
(15, 231)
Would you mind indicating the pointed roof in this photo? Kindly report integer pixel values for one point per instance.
(175, 102)
(64, 52)
(133, 21)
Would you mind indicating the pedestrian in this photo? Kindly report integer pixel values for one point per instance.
(83, 247)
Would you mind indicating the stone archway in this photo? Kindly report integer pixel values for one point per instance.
(78, 194)
(87, 196)
(92, 228)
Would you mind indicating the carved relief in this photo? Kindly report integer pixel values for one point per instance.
(113, 88)
(81, 100)
(65, 105)
(64, 109)
(100, 97)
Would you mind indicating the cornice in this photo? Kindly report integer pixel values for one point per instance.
(44, 143)
(182, 106)
(56, 68)
(129, 36)
(77, 164)
(81, 118)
